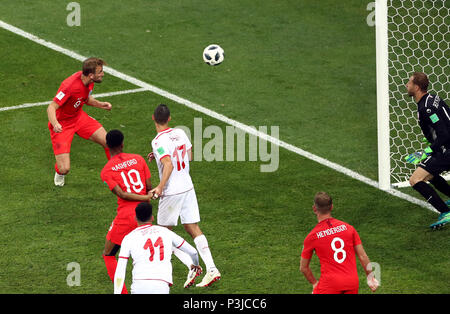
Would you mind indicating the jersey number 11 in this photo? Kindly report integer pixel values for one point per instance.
(151, 246)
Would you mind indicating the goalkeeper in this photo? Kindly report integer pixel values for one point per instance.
(434, 120)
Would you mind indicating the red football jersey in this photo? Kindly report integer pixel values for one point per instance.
(130, 172)
(71, 96)
(334, 241)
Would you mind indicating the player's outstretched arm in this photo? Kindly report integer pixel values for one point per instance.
(98, 104)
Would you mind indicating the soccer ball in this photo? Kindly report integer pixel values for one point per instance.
(213, 54)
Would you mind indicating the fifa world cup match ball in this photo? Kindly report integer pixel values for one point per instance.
(213, 54)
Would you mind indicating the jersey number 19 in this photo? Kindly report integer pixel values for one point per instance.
(134, 178)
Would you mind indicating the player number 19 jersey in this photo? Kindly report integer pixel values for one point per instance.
(130, 172)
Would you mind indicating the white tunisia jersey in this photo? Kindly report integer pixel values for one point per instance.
(150, 247)
(175, 144)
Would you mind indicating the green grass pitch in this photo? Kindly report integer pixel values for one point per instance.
(307, 67)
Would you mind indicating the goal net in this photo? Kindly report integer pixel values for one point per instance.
(418, 40)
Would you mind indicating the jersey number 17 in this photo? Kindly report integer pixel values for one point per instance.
(179, 154)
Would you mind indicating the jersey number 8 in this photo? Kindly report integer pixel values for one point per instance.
(338, 250)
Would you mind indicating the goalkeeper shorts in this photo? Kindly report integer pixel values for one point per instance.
(437, 163)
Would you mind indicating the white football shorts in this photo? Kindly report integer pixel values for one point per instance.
(143, 286)
(183, 205)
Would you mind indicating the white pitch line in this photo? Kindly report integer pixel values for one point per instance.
(42, 103)
(217, 116)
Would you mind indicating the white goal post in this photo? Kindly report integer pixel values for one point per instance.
(411, 36)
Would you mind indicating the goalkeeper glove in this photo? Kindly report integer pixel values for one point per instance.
(425, 141)
(417, 157)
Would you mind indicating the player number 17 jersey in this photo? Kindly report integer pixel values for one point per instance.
(175, 144)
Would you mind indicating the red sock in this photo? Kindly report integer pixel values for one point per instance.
(111, 264)
(108, 155)
(56, 169)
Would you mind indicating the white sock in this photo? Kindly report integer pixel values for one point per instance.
(185, 258)
(203, 249)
